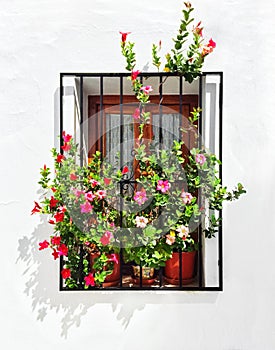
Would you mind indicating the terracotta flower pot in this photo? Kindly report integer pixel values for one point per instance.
(112, 279)
(172, 268)
(147, 275)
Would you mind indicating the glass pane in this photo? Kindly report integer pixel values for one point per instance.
(114, 146)
(166, 129)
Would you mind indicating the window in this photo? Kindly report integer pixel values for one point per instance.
(98, 110)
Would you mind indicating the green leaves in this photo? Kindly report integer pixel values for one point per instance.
(127, 49)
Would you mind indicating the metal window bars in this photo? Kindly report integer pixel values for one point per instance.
(75, 118)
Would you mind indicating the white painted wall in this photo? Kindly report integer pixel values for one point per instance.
(40, 38)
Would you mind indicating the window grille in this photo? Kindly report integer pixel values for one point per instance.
(94, 108)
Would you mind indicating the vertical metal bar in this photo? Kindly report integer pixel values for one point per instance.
(140, 267)
(180, 93)
(101, 115)
(81, 272)
(181, 103)
(200, 262)
(200, 106)
(61, 152)
(121, 183)
(160, 144)
(180, 269)
(140, 276)
(160, 112)
(81, 121)
(61, 112)
(220, 173)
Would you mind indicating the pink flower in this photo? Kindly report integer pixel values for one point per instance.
(78, 193)
(86, 207)
(89, 280)
(90, 196)
(36, 208)
(200, 158)
(73, 177)
(107, 181)
(44, 245)
(134, 74)
(163, 186)
(136, 115)
(62, 209)
(66, 138)
(146, 89)
(125, 170)
(62, 250)
(140, 197)
(106, 238)
(113, 257)
(55, 240)
(94, 183)
(66, 273)
(170, 239)
(186, 197)
(101, 194)
(124, 36)
(183, 232)
(141, 221)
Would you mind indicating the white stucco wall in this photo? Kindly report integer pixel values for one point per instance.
(39, 39)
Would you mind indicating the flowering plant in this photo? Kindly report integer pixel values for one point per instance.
(90, 213)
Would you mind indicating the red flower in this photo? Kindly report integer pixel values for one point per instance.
(66, 273)
(60, 158)
(135, 74)
(124, 36)
(208, 48)
(53, 189)
(66, 147)
(89, 280)
(73, 177)
(45, 167)
(53, 202)
(212, 43)
(198, 29)
(107, 181)
(59, 217)
(125, 170)
(55, 254)
(55, 240)
(106, 238)
(66, 138)
(51, 222)
(36, 208)
(62, 250)
(44, 245)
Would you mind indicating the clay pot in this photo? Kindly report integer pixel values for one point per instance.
(112, 279)
(172, 268)
(147, 275)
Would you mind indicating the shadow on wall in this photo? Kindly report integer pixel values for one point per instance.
(42, 284)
